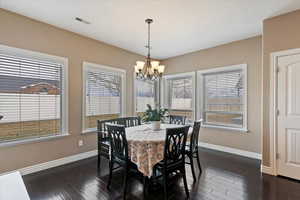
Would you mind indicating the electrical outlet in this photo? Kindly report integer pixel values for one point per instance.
(80, 143)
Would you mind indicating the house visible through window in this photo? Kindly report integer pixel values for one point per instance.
(223, 97)
(144, 94)
(103, 98)
(32, 93)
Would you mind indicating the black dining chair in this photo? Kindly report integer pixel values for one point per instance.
(177, 119)
(174, 157)
(119, 154)
(103, 140)
(192, 150)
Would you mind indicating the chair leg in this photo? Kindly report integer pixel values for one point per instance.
(165, 176)
(198, 161)
(185, 183)
(99, 161)
(110, 163)
(125, 183)
(145, 191)
(192, 167)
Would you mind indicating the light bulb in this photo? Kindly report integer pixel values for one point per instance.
(136, 69)
(154, 64)
(161, 69)
(140, 64)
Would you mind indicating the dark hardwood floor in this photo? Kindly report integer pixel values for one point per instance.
(225, 177)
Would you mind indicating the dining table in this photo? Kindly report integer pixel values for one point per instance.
(146, 146)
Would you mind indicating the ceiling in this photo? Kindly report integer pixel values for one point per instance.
(179, 26)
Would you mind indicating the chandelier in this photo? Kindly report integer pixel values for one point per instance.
(149, 69)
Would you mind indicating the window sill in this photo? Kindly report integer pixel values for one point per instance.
(243, 130)
(31, 140)
(88, 131)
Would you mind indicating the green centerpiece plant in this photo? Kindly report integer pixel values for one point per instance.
(155, 116)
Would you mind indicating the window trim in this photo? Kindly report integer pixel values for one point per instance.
(93, 66)
(24, 53)
(200, 95)
(164, 90)
(156, 93)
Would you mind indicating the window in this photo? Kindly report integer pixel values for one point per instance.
(32, 95)
(223, 97)
(103, 94)
(179, 94)
(144, 94)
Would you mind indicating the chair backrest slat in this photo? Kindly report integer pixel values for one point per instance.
(102, 128)
(177, 119)
(130, 121)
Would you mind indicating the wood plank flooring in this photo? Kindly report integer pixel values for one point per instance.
(225, 177)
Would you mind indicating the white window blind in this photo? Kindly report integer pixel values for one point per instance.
(223, 103)
(145, 94)
(30, 97)
(103, 94)
(179, 94)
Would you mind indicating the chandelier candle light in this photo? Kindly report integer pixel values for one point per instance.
(150, 69)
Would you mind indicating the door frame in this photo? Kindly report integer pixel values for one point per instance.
(273, 106)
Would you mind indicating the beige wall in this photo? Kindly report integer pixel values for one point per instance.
(247, 51)
(279, 33)
(21, 32)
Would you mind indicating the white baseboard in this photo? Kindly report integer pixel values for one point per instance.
(56, 163)
(73, 158)
(231, 150)
(267, 170)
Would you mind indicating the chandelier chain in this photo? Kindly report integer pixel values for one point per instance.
(150, 69)
(148, 39)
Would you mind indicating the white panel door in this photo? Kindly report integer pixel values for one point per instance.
(288, 120)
